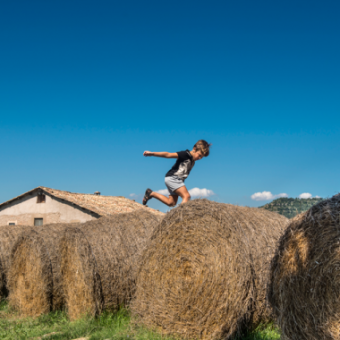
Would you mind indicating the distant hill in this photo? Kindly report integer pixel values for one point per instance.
(290, 207)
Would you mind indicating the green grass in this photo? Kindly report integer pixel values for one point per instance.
(268, 332)
(116, 326)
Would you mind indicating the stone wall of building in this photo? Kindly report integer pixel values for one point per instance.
(24, 210)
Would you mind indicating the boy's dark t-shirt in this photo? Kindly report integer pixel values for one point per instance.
(183, 165)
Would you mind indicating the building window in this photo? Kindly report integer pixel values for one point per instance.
(12, 223)
(38, 221)
(41, 198)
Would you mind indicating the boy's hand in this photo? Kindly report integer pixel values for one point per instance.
(147, 153)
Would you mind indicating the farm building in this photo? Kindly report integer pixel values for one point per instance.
(43, 205)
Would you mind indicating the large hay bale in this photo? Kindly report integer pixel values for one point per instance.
(203, 274)
(8, 236)
(100, 260)
(34, 275)
(305, 279)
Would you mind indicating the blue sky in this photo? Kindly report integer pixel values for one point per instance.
(87, 86)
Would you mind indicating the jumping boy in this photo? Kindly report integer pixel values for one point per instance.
(175, 177)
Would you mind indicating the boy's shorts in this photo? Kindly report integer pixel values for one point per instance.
(173, 183)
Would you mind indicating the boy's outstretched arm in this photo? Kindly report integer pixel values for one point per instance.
(161, 154)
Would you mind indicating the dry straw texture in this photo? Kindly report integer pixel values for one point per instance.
(305, 289)
(8, 236)
(100, 260)
(205, 270)
(34, 281)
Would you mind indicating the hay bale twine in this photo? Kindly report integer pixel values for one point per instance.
(34, 275)
(8, 236)
(100, 260)
(198, 277)
(305, 279)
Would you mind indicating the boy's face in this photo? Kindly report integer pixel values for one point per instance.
(196, 155)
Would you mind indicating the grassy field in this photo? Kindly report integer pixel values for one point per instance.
(108, 326)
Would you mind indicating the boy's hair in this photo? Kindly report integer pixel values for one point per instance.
(203, 146)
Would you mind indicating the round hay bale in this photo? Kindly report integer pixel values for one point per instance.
(201, 274)
(100, 260)
(34, 275)
(8, 236)
(305, 279)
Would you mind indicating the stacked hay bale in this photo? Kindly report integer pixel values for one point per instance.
(265, 236)
(100, 261)
(205, 270)
(8, 236)
(34, 281)
(304, 289)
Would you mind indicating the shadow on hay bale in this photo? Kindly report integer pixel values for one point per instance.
(205, 270)
(8, 236)
(34, 275)
(100, 260)
(304, 289)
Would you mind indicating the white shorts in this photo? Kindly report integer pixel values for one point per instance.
(173, 183)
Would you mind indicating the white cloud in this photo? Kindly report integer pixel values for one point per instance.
(308, 195)
(164, 192)
(197, 192)
(136, 196)
(266, 196)
(305, 195)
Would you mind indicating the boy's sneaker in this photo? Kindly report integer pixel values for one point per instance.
(147, 196)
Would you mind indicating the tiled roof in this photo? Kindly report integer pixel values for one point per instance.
(101, 205)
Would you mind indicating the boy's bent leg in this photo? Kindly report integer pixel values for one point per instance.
(183, 193)
(170, 201)
(173, 200)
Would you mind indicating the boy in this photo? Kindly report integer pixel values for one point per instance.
(175, 177)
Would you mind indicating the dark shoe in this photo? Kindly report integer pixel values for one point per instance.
(147, 196)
